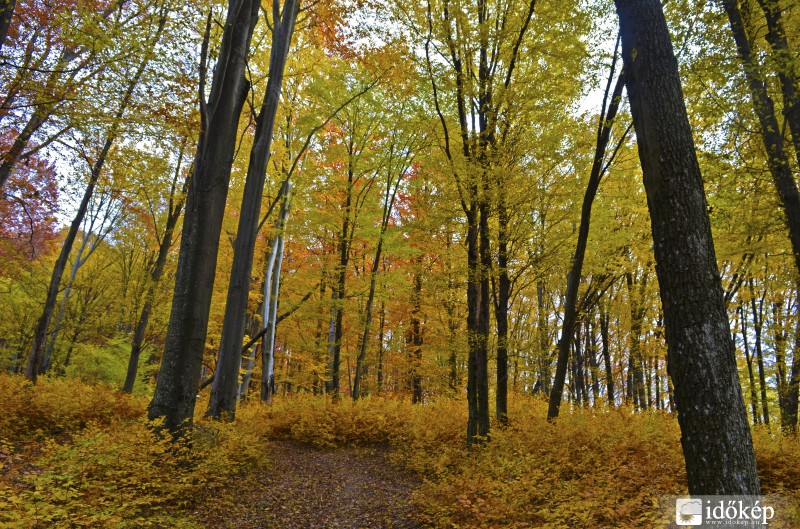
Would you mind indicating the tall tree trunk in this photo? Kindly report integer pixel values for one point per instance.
(604, 324)
(271, 307)
(638, 308)
(770, 130)
(380, 375)
(477, 383)
(176, 387)
(758, 325)
(715, 435)
(542, 384)
(502, 305)
(416, 337)
(340, 287)
(591, 351)
(392, 185)
(749, 360)
(225, 391)
(574, 276)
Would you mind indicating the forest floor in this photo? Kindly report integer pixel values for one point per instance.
(308, 487)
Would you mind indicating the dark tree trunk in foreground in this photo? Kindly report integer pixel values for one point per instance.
(224, 392)
(714, 432)
(574, 277)
(176, 389)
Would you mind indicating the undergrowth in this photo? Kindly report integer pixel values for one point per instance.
(75, 455)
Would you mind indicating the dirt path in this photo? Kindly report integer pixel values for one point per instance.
(324, 489)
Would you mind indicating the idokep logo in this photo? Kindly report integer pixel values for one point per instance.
(708, 511)
(688, 511)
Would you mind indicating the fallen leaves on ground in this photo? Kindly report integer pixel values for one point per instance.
(305, 487)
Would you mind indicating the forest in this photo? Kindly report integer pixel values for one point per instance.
(388, 264)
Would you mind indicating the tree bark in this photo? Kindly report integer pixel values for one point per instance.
(416, 337)
(176, 387)
(271, 306)
(224, 392)
(758, 325)
(715, 435)
(604, 323)
(749, 360)
(501, 307)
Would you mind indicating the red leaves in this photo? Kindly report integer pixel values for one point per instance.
(28, 208)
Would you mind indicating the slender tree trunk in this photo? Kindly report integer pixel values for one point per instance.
(604, 323)
(715, 435)
(543, 376)
(339, 288)
(268, 347)
(478, 404)
(416, 337)
(758, 325)
(271, 283)
(638, 308)
(749, 359)
(574, 276)
(591, 351)
(388, 206)
(502, 305)
(176, 387)
(380, 347)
